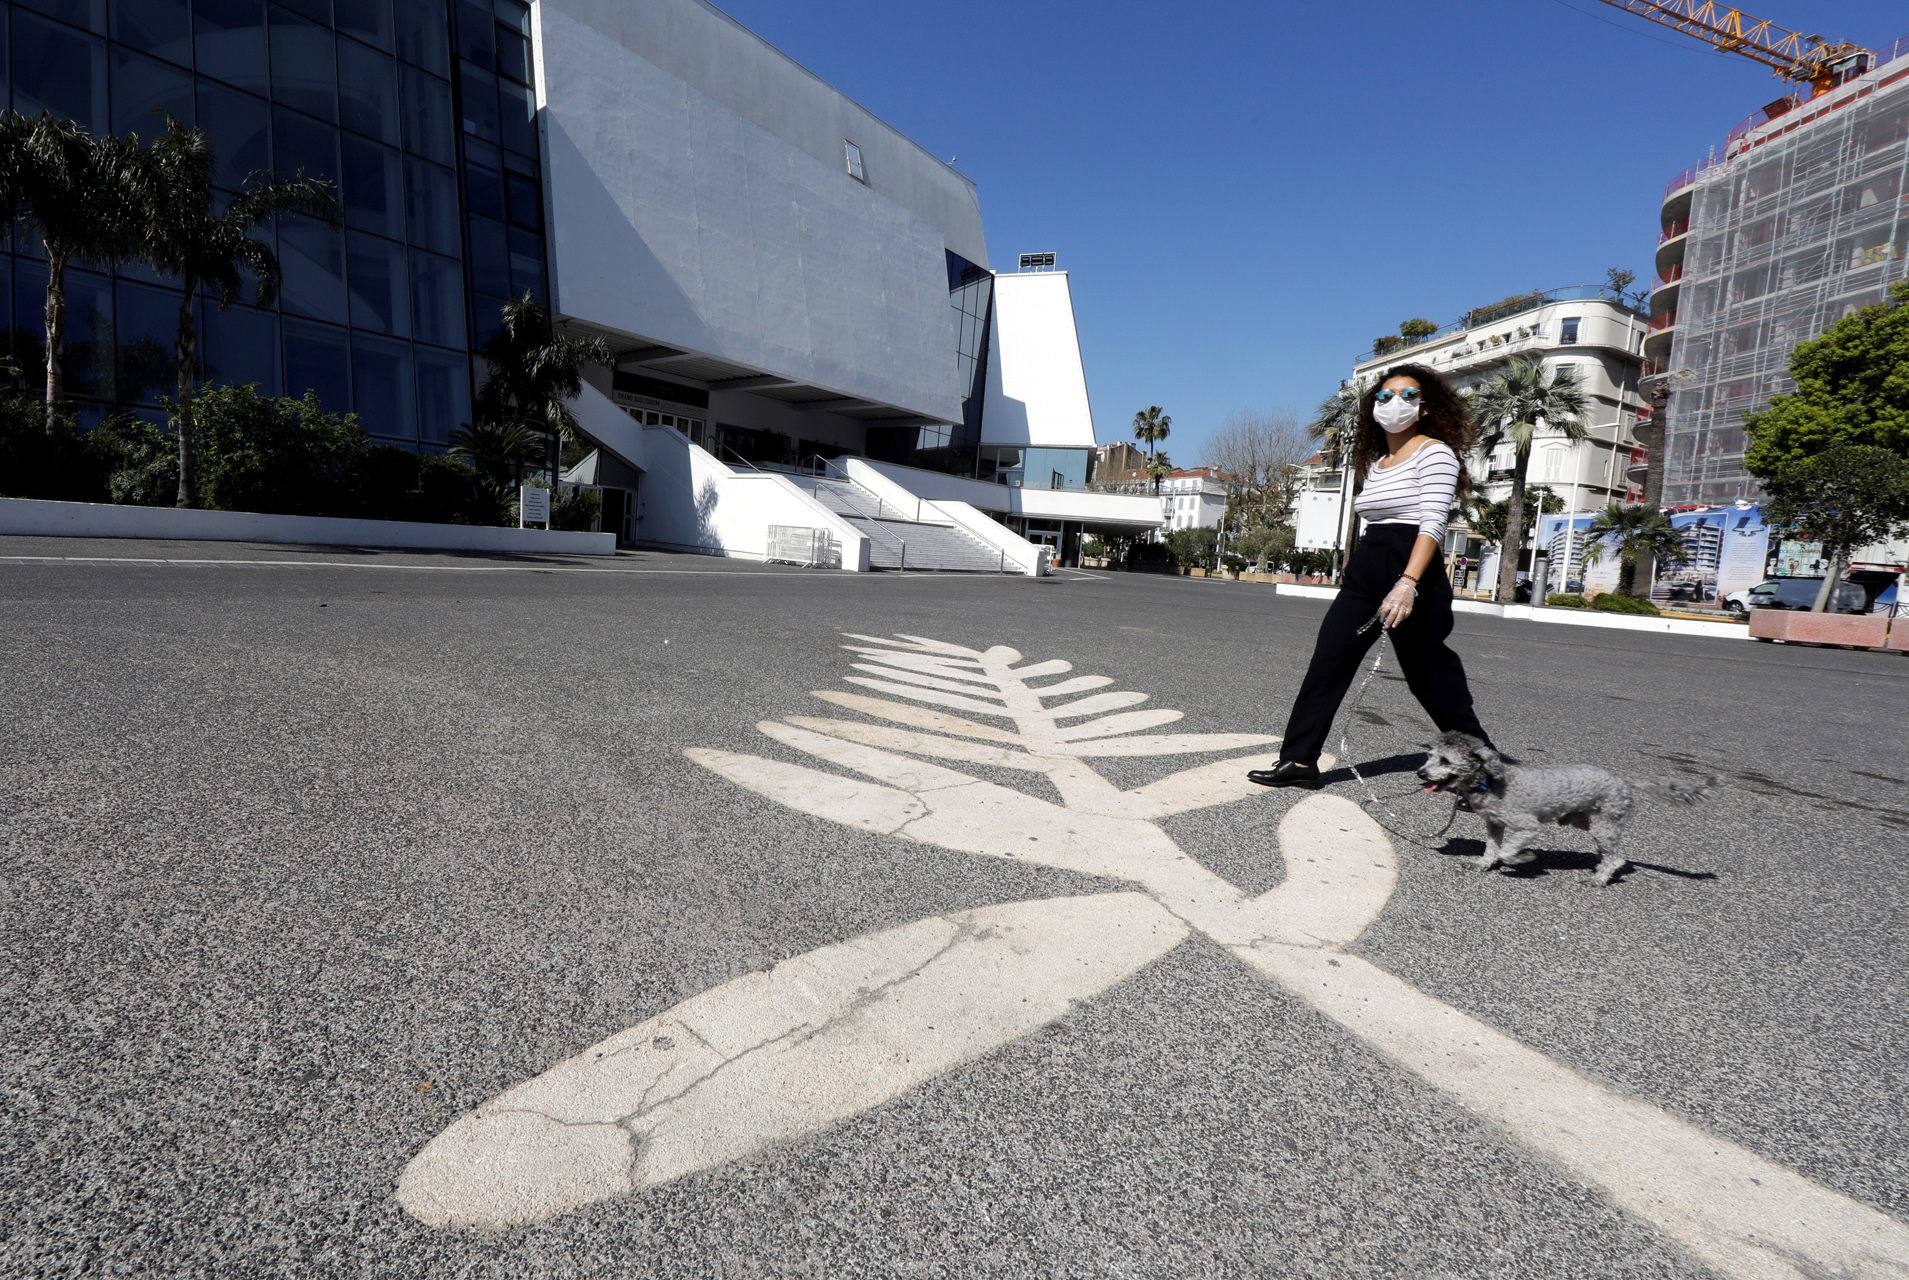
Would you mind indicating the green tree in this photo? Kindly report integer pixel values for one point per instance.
(1194, 548)
(1418, 329)
(1617, 280)
(1634, 533)
(1852, 388)
(277, 454)
(1846, 496)
(1159, 467)
(1336, 426)
(1510, 409)
(81, 195)
(1150, 426)
(1489, 519)
(534, 372)
(498, 452)
(186, 234)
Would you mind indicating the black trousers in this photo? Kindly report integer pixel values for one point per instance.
(1432, 671)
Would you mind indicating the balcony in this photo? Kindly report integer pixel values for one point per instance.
(1681, 227)
(1657, 344)
(1663, 290)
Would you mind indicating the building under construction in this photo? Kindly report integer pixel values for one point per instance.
(1799, 222)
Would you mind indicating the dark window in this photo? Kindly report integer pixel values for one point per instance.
(311, 259)
(146, 325)
(526, 263)
(240, 346)
(59, 70)
(380, 285)
(444, 394)
(421, 35)
(317, 359)
(317, 10)
(382, 387)
(1569, 332)
(483, 179)
(479, 93)
(518, 117)
(526, 202)
(373, 190)
(229, 38)
(476, 33)
(513, 55)
(88, 365)
(430, 202)
(142, 88)
(487, 321)
(369, 20)
(161, 27)
(437, 299)
(302, 144)
(304, 67)
(512, 16)
(490, 257)
(367, 92)
(427, 116)
(90, 14)
(240, 127)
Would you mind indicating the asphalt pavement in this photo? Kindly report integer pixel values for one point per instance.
(309, 851)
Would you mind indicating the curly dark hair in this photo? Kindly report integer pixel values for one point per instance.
(1443, 415)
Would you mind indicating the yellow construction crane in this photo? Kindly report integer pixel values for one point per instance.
(1804, 59)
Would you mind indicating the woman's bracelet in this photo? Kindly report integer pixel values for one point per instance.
(1408, 577)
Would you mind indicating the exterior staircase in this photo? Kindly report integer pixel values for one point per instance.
(914, 540)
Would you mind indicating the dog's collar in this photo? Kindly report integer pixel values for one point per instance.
(1481, 788)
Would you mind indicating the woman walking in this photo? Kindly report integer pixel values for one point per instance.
(1412, 430)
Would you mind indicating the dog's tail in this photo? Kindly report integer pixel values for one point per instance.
(1680, 792)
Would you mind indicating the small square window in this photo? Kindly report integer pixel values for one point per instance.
(853, 154)
(1570, 332)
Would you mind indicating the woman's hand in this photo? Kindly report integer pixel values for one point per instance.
(1397, 605)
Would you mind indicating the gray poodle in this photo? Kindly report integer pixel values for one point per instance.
(1516, 799)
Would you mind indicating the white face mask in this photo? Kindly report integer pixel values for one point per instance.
(1396, 415)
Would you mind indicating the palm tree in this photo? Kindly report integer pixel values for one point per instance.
(81, 194)
(185, 237)
(1152, 425)
(1335, 428)
(1511, 409)
(498, 450)
(1159, 467)
(534, 370)
(1634, 532)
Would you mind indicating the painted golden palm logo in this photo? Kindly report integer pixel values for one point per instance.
(774, 1056)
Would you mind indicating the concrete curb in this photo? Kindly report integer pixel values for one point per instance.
(32, 517)
(1565, 617)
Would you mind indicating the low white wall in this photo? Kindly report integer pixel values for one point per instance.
(1566, 617)
(1035, 561)
(27, 516)
(687, 500)
(1138, 512)
(603, 421)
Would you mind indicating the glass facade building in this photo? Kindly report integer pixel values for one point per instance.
(422, 115)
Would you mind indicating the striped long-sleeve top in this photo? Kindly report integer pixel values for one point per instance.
(1417, 491)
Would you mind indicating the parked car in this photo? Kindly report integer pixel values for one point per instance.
(1796, 593)
(1885, 602)
(1873, 582)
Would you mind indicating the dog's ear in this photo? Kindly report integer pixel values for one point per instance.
(1489, 761)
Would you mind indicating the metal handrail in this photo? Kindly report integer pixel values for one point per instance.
(835, 472)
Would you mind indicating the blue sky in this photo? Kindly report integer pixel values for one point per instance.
(1246, 194)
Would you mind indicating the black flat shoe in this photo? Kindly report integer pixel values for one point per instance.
(1288, 773)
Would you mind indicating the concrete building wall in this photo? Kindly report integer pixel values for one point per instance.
(1037, 386)
(699, 197)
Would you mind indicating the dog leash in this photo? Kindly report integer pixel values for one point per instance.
(1345, 754)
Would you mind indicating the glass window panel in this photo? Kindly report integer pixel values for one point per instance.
(88, 366)
(301, 144)
(57, 69)
(368, 20)
(526, 202)
(490, 257)
(480, 102)
(145, 87)
(146, 322)
(318, 10)
(430, 202)
(513, 15)
(380, 285)
(239, 347)
(483, 179)
(444, 394)
(304, 66)
(487, 321)
(426, 111)
(90, 14)
(381, 381)
(317, 358)
(437, 300)
(519, 118)
(311, 262)
(373, 190)
(513, 56)
(476, 32)
(229, 37)
(240, 127)
(526, 263)
(159, 27)
(367, 91)
(421, 35)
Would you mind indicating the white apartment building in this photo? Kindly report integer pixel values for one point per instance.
(1193, 498)
(1587, 330)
